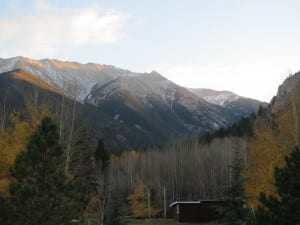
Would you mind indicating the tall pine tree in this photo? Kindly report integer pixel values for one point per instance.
(101, 155)
(40, 192)
(284, 208)
(102, 189)
(235, 212)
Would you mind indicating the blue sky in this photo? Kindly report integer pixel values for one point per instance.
(248, 47)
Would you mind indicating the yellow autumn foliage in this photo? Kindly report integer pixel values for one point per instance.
(272, 141)
(14, 138)
(138, 203)
(93, 207)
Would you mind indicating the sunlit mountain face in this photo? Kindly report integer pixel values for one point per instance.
(145, 103)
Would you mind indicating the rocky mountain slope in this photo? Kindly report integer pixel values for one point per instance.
(151, 96)
(74, 78)
(147, 103)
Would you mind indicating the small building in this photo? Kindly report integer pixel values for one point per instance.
(197, 211)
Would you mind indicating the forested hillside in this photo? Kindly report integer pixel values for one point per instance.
(18, 88)
(276, 132)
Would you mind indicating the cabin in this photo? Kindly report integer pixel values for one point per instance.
(197, 211)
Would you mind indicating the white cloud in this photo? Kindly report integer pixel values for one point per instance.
(48, 27)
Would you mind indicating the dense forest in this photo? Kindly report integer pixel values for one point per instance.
(192, 168)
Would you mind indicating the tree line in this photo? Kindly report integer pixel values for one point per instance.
(41, 192)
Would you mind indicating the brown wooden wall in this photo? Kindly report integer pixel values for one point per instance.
(205, 211)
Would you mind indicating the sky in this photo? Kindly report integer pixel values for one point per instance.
(248, 47)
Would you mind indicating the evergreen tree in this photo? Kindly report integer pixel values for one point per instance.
(235, 212)
(101, 155)
(284, 208)
(82, 161)
(40, 192)
(113, 215)
(4, 211)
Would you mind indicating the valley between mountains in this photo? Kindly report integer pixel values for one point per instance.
(137, 139)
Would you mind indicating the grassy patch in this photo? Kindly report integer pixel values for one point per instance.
(162, 222)
(150, 222)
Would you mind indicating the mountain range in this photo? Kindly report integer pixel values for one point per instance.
(142, 108)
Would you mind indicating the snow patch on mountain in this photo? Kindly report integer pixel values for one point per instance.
(148, 87)
(7, 64)
(222, 98)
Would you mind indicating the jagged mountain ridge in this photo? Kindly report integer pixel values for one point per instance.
(236, 104)
(143, 98)
(71, 77)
